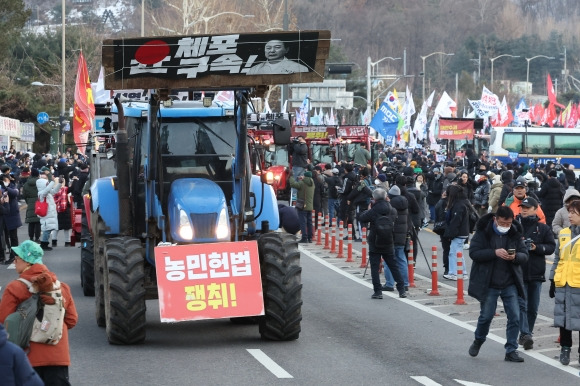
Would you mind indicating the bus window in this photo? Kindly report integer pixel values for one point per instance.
(566, 144)
(539, 144)
(512, 142)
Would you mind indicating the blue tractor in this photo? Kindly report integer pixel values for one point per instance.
(183, 177)
(175, 211)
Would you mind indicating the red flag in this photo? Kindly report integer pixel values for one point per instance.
(84, 107)
(551, 115)
(551, 95)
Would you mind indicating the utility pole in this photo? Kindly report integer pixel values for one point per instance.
(285, 26)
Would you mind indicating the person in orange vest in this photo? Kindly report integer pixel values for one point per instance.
(519, 193)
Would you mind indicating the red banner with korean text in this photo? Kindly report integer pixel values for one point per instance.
(209, 281)
(84, 106)
(456, 129)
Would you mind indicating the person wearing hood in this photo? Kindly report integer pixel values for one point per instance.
(30, 194)
(507, 178)
(381, 182)
(434, 190)
(305, 191)
(12, 219)
(494, 193)
(551, 196)
(15, 369)
(565, 282)
(540, 243)
(401, 205)
(457, 227)
(481, 194)
(498, 252)
(50, 361)
(46, 191)
(448, 179)
(561, 219)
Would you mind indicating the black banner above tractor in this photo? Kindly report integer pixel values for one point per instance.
(216, 61)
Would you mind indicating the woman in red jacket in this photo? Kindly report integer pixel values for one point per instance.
(50, 361)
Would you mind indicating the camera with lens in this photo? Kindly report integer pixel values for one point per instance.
(295, 140)
(528, 243)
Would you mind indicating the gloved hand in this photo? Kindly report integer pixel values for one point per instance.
(552, 291)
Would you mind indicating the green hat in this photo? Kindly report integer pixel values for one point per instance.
(44, 169)
(308, 174)
(29, 251)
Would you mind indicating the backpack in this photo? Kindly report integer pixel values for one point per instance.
(49, 321)
(19, 323)
(384, 227)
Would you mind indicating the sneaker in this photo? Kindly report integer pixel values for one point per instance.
(304, 241)
(387, 288)
(474, 348)
(9, 261)
(565, 355)
(513, 356)
(402, 295)
(377, 295)
(466, 246)
(450, 276)
(465, 276)
(526, 341)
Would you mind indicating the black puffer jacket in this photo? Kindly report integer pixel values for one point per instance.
(401, 204)
(482, 251)
(551, 196)
(543, 238)
(457, 218)
(380, 208)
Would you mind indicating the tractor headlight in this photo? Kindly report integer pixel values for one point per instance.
(185, 229)
(223, 228)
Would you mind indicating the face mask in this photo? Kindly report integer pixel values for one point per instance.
(6, 183)
(502, 230)
(377, 181)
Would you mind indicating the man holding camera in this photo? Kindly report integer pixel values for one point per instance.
(498, 252)
(540, 242)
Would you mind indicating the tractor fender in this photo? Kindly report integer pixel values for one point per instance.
(105, 200)
(266, 209)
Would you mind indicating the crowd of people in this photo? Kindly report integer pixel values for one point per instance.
(27, 177)
(515, 214)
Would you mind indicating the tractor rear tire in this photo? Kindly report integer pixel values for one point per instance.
(99, 264)
(282, 286)
(125, 308)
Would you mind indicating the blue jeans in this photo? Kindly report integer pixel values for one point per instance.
(456, 247)
(509, 297)
(529, 307)
(297, 171)
(331, 214)
(305, 217)
(402, 264)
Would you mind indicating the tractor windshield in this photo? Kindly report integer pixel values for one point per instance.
(202, 147)
(277, 157)
(321, 154)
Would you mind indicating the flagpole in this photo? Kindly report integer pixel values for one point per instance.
(63, 91)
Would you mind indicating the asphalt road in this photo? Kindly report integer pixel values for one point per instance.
(347, 338)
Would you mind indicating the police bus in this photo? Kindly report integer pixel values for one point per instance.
(535, 145)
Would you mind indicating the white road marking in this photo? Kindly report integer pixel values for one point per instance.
(426, 381)
(466, 383)
(268, 363)
(542, 358)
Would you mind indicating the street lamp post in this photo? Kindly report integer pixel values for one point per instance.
(528, 70)
(425, 57)
(497, 57)
(370, 65)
